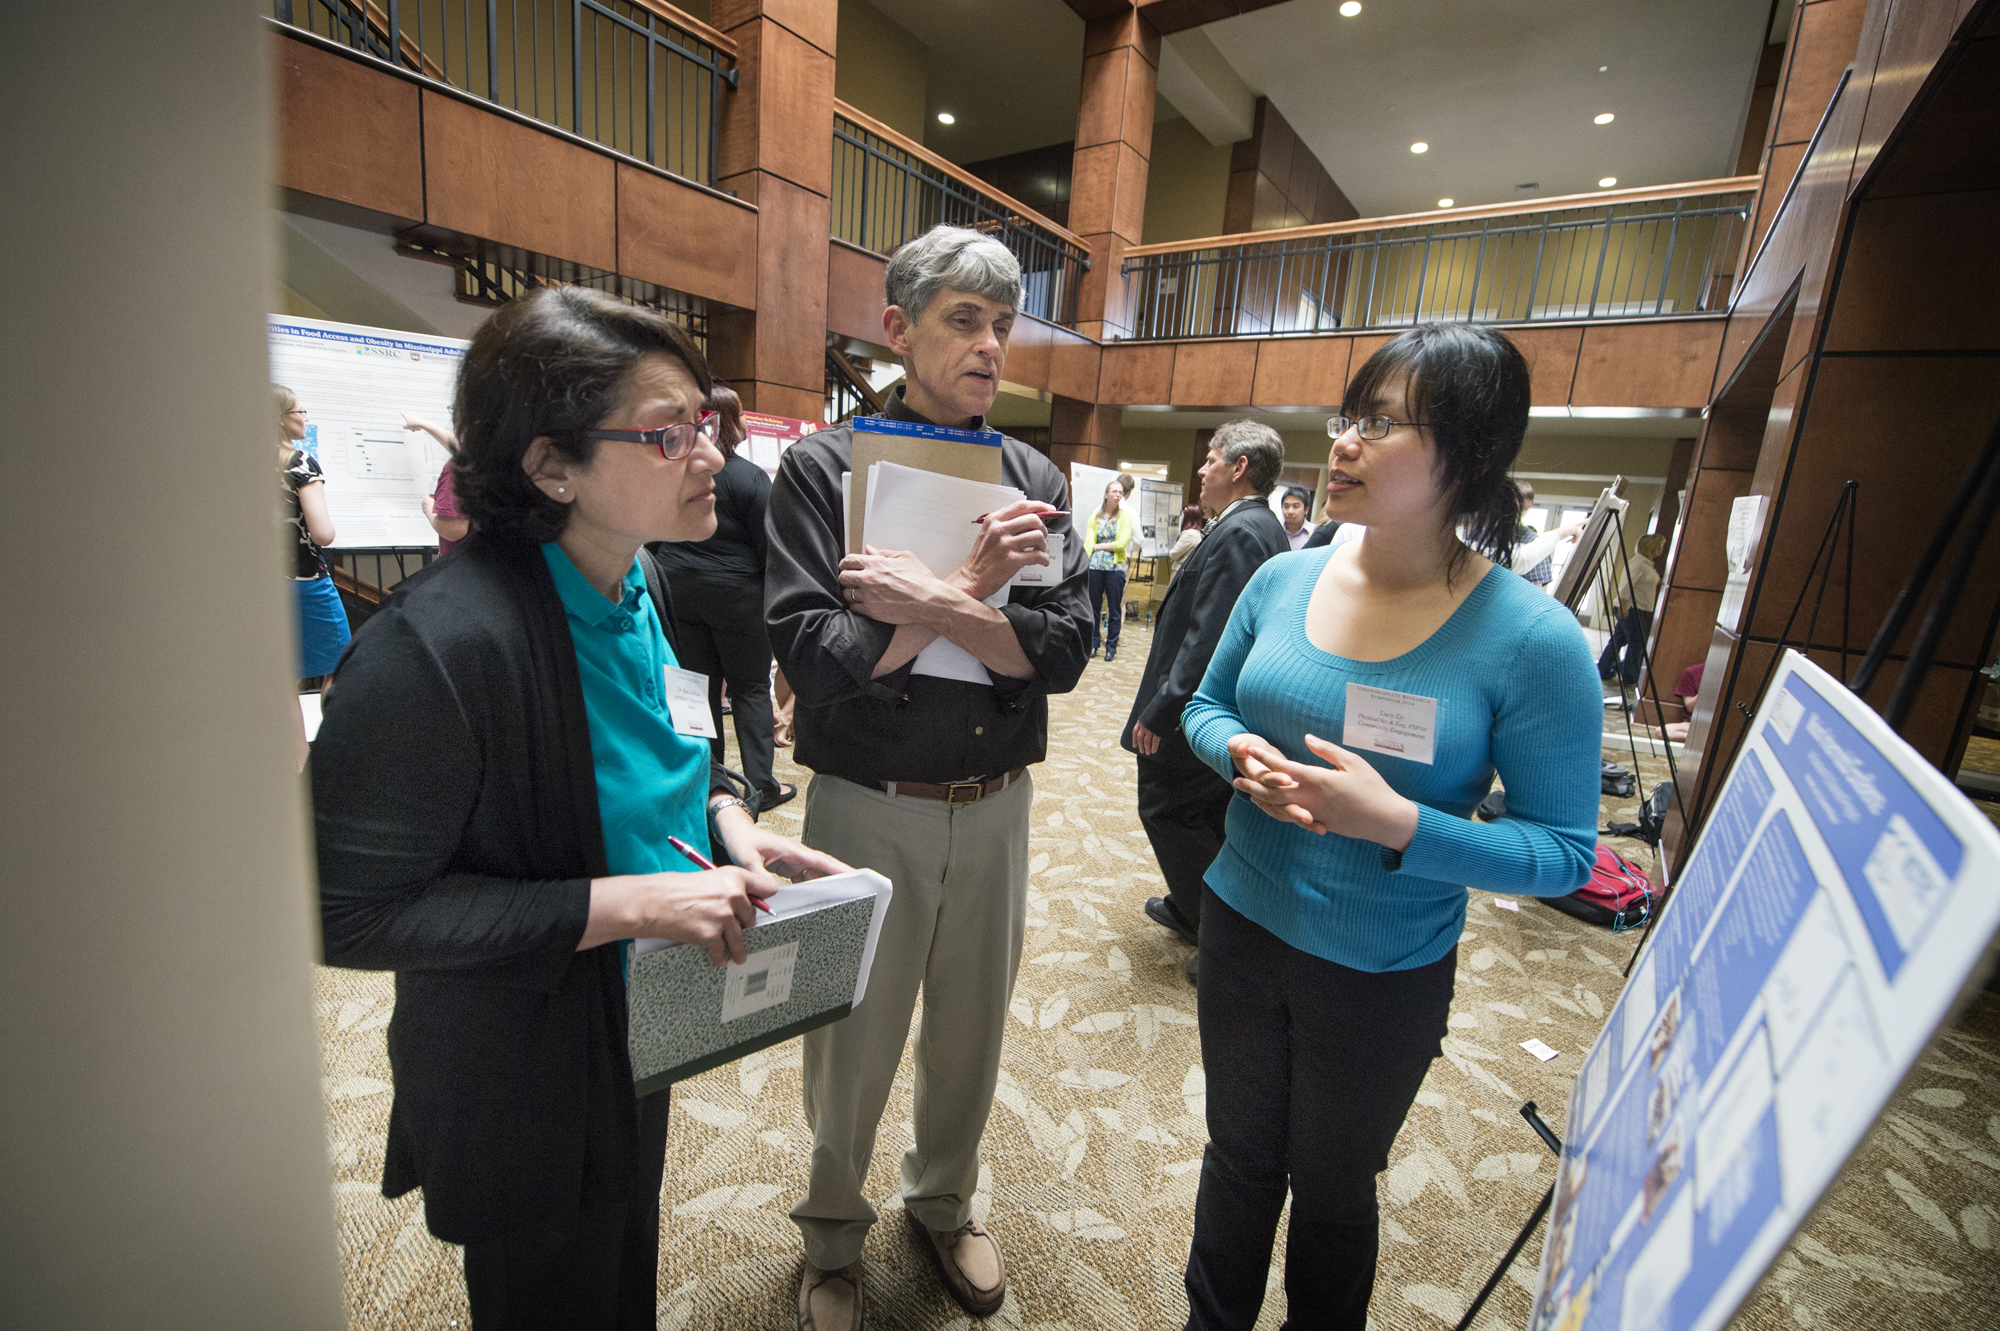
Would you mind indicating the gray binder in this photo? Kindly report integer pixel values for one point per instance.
(806, 968)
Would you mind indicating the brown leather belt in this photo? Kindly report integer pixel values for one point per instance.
(956, 792)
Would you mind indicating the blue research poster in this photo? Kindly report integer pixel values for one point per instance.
(1834, 909)
(356, 384)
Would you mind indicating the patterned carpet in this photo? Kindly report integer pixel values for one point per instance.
(1094, 1147)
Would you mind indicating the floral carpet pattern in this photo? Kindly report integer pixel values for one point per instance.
(1094, 1147)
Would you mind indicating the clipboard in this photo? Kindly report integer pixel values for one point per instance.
(807, 967)
(972, 455)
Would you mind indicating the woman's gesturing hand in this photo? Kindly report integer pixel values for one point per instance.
(1349, 797)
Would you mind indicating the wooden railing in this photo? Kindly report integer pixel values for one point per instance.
(888, 189)
(1666, 251)
(636, 76)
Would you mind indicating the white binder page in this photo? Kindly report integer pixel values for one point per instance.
(936, 518)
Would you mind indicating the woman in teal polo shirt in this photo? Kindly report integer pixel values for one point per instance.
(495, 785)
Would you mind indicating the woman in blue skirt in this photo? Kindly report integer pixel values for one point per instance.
(322, 621)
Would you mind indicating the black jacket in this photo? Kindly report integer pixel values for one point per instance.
(455, 805)
(737, 551)
(1190, 620)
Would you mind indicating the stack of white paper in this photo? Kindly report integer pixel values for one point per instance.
(937, 518)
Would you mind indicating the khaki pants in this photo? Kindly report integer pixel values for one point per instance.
(954, 931)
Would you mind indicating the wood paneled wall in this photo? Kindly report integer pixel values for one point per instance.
(1870, 330)
(392, 155)
(1275, 180)
(1822, 42)
(1662, 363)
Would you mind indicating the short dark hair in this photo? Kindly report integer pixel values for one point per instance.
(723, 401)
(550, 361)
(1297, 492)
(1471, 385)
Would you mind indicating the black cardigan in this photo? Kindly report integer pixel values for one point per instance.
(456, 810)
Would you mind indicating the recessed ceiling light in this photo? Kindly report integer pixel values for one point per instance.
(1420, 147)
(1607, 182)
(947, 118)
(1606, 118)
(1444, 203)
(1350, 9)
(1602, 68)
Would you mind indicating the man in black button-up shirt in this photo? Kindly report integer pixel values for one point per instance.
(919, 777)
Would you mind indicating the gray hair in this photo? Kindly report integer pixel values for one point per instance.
(952, 258)
(1259, 443)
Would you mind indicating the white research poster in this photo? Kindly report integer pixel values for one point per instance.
(356, 384)
(1840, 898)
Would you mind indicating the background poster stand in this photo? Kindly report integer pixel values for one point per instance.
(1599, 538)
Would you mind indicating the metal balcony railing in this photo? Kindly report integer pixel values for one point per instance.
(1623, 255)
(888, 189)
(635, 76)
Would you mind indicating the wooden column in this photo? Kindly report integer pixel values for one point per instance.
(1084, 432)
(1114, 146)
(777, 152)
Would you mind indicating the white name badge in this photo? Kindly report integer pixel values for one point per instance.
(687, 703)
(1402, 725)
(1043, 575)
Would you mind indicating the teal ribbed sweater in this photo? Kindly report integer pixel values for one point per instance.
(1517, 693)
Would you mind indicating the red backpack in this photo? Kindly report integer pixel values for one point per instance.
(1618, 895)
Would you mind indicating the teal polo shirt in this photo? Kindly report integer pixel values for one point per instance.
(652, 781)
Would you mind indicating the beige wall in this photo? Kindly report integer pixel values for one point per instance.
(1187, 183)
(881, 68)
(1305, 447)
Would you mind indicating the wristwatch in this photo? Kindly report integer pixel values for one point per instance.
(716, 806)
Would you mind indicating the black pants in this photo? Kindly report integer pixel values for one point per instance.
(603, 1276)
(1100, 583)
(1182, 806)
(722, 635)
(1311, 1069)
(1628, 639)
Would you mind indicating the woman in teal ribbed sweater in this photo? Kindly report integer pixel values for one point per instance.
(1329, 945)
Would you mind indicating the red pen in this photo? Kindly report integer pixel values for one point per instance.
(702, 860)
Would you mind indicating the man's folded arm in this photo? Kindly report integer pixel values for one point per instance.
(828, 652)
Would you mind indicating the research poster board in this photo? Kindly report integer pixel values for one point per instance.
(1086, 490)
(356, 384)
(1160, 505)
(771, 435)
(1839, 901)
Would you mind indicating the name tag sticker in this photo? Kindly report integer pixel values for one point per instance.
(687, 703)
(1043, 575)
(1402, 725)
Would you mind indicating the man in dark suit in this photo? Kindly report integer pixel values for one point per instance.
(1182, 802)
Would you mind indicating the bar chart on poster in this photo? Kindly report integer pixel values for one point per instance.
(357, 385)
(1842, 897)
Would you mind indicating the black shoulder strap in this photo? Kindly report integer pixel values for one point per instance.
(663, 597)
(720, 777)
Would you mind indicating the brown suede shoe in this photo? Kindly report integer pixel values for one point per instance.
(830, 1300)
(970, 1263)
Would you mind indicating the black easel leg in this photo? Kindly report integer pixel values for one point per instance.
(1554, 1143)
(1507, 1262)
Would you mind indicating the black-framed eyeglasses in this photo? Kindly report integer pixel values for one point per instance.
(674, 441)
(1370, 427)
